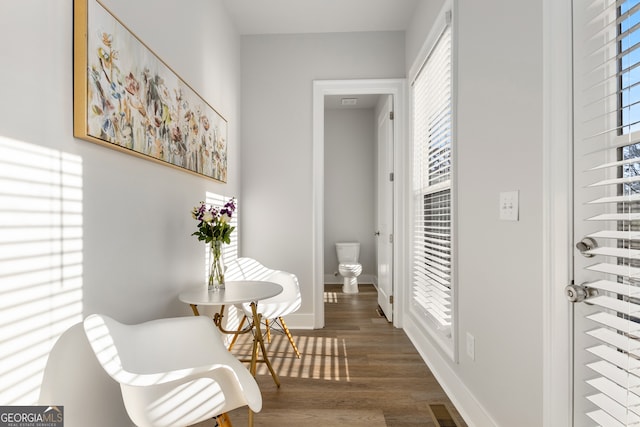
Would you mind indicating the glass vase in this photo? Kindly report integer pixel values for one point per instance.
(216, 272)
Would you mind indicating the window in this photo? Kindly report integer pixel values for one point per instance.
(432, 278)
(629, 65)
(628, 52)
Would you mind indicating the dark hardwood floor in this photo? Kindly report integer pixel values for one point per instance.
(357, 371)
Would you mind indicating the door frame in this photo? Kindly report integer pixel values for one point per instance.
(396, 88)
(384, 194)
(557, 213)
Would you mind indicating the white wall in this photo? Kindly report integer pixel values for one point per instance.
(499, 264)
(349, 187)
(423, 19)
(277, 92)
(137, 252)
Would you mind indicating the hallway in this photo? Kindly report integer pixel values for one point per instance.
(357, 371)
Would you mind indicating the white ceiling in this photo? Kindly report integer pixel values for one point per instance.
(319, 16)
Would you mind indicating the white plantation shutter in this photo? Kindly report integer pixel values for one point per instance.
(607, 111)
(432, 173)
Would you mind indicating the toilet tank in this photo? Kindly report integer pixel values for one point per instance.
(348, 252)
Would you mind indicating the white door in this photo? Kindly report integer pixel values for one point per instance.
(384, 233)
(606, 258)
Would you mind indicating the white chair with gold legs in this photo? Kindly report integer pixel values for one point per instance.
(75, 380)
(273, 309)
(172, 372)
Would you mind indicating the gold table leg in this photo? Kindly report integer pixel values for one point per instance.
(194, 308)
(258, 340)
(235, 336)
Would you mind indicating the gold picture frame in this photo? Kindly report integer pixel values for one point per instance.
(127, 98)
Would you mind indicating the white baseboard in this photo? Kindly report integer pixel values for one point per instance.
(474, 414)
(330, 279)
(299, 321)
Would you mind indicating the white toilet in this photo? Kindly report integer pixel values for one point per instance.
(348, 266)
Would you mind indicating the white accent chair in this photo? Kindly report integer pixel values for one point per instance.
(73, 378)
(271, 309)
(172, 372)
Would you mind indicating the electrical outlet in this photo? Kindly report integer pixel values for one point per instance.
(471, 346)
(509, 206)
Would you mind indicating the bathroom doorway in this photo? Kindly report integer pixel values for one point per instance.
(380, 250)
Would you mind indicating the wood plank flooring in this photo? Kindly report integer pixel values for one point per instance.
(357, 371)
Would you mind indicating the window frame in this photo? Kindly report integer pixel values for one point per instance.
(446, 340)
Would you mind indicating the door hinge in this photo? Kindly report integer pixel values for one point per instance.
(390, 238)
(390, 299)
(391, 176)
(391, 116)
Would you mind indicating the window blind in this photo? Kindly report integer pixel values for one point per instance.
(432, 170)
(607, 148)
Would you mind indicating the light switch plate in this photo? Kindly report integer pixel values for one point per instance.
(509, 206)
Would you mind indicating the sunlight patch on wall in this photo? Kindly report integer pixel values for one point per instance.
(40, 261)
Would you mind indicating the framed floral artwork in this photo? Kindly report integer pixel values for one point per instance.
(127, 98)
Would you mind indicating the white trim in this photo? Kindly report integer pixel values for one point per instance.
(365, 279)
(428, 327)
(318, 205)
(450, 19)
(446, 17)
(397, 88)
(557, 211)
(330, 279)
(300, 321)
(473, 413)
